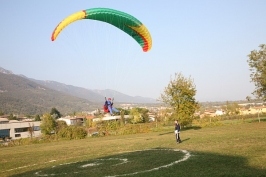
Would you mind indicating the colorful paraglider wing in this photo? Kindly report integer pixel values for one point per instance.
(121, 20)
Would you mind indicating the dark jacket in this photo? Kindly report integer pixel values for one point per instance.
(177, 127)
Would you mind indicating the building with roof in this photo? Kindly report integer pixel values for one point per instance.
(14, 129)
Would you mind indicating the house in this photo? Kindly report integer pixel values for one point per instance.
(219, 112)
(253, 110)
(17, 129)
(69, 120)
(4, 121)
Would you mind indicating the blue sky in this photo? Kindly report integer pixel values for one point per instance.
(206, 40)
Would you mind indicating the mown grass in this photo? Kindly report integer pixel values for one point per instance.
(237, 149)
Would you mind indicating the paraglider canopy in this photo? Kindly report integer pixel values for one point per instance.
(125, 22)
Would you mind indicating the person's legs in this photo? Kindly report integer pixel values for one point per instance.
(176, 136)
(179, 140)
(110, 110)
(115, 110)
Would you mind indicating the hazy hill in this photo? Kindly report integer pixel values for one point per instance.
(19, 95)
(71, 90)
(120, 97)
(93, 95)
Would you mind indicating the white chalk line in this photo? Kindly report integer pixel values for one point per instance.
(26, 166)
(186, 156)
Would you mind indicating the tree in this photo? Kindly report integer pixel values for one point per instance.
(37, 118)
(55, 113)
(48, 124)
(122, 119)
(144, 114)
(231, 108)
(136, 116)
(31, 130)
(257, 64)
(60, 124)
(180, 95)
(12, 117)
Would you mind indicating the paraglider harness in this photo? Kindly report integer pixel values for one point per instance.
(106, 104)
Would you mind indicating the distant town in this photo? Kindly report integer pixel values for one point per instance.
(19, 128)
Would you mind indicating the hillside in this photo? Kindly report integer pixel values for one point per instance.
(93, 95)
(19, 95)
(71, 90)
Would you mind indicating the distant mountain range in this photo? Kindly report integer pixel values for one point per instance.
(22, 95)
(93, 95)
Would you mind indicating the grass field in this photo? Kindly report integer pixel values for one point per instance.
(237, 149)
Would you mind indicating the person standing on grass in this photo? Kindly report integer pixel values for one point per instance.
(177, 132)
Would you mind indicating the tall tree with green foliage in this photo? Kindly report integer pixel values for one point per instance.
(231, 108)
(257, 64)
(12, 117)
(144, 114)
(37, 118)
(60, 124)
(139, 115)
(55, 113)
(136, 116)
(48, 124)
(180, 95)
(122, 119)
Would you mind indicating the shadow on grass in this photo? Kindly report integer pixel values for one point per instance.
(172, 132)
(153, 162)
(185, 139)
(191, 128)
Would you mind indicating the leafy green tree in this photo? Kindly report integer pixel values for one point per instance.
(122, 120)
(139, 115)
(37, 118)
(88, 122)
(72, 132)
(55, 113)
(48, 124)
(1, 113)
(164, 114)
(180, 95)
(12, 117)
(257, 64)
(135, 116)
(231, 108)
(126, 112)
(144, 114)
(60, 124)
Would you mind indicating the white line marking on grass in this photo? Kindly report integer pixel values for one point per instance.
(90, 165)
(26, 166)
(123, 161)
(186, 156)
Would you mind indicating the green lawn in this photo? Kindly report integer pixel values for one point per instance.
(229, 150)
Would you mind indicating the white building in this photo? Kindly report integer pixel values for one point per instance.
(18, 129)
(219, 112)
(69, 120)
(72, 120)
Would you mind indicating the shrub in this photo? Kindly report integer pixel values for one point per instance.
(72, 132)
